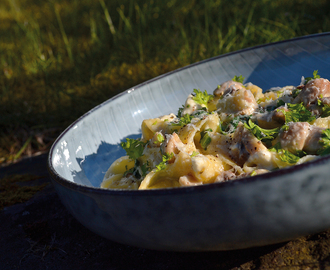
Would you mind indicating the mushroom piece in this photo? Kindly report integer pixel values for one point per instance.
(225, 176)
(241, 145)
(312, 143)
(237, 101)
(171, 145)
(225, 86)
(314, 89)
(301, 136)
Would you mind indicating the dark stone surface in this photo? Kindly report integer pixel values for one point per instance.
(41, 234)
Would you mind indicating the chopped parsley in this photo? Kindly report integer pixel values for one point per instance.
(194, 153)
(202, 98)
(297, 113)
(183, 120)
(133, 171)
(163, 163)
(315, 76)
(134, 148)
(230, 124)
(200, 113)
(324, 108)
(280, 102)
(239, 79)
(180, 111)
(205, 138)
(253, 173)
(160, 138)
(295, 92)
(261, 133)
(139, 170)
(285, 155)
(145, 168)
(325, 142)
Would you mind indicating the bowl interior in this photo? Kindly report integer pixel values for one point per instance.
(85, 150)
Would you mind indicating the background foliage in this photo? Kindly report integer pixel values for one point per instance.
(59, 58)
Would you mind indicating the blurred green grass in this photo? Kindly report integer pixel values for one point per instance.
(58, 59)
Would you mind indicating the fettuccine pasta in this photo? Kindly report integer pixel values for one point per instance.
(238, 131)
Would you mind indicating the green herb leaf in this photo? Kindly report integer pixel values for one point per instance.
(239, 79)
(276, 148)
(261, 133)
(160, 138)
(253, 173)
(180, 111)
(300, 153)
(145, 168)
(295, 92)
(230, 125)
(285, 155)
(280, 102)
(200, 112)
(297, 113)
(139, 170)
(205, 138)
(324, 108)
(134, 148)
(183, 121)
(163, 163)
(288, 157)
(202, 98)
(325, 142)
(194, 153)
(315, 76)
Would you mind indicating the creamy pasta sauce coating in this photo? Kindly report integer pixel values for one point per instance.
(237, 131)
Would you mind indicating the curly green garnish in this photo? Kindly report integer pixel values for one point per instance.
(315, 76)
(325, 142)
(239, 79)
(297, 113)
(134, 148)
(285, 155)
(202, 98)
(261, 133)
(205, 138)
(162, 165)
(183, 121)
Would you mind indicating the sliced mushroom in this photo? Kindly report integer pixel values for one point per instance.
(301, 136)
(237, 101)
(225, 86)
(171, 145)
(314, 89)
(243, 144)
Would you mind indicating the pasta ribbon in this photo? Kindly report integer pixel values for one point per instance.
(239, 131)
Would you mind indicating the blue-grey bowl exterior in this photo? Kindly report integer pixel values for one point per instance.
(259, 210)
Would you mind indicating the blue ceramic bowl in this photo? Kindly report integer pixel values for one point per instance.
(248, 212)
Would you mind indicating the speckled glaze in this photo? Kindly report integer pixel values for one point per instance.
(248, 212)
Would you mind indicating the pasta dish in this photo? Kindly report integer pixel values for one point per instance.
(237, 131)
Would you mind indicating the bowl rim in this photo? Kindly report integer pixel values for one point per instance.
(182, 190)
